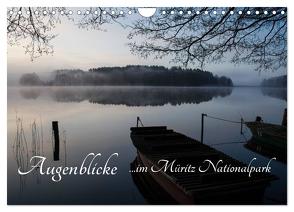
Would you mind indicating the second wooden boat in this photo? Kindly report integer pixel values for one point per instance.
(269, 140)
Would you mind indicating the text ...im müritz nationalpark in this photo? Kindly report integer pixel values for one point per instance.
(90, 166)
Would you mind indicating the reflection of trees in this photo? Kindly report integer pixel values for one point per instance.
(139, 96)
(30, 93)
(279, 93)
(156, 97)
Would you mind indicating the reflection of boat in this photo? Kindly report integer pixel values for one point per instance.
(152, 192)
(159, 143)
(268, 139)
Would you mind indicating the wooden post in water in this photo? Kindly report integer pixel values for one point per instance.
(56, 140)
(241, 131)
(202, 125)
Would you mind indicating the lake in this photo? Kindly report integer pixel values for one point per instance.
(98, 119)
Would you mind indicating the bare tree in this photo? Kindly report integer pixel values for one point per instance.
(33, 27)
(195, 36)
(95, 17)
(213, 35)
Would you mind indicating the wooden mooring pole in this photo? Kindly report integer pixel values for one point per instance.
(139, 122)
(202, 126)
(56, 140)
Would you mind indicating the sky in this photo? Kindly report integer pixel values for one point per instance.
(84, 49)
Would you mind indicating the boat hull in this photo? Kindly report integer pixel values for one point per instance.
(234, 195)
(157, 143)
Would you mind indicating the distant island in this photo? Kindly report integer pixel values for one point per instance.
(132, 75)
(279, 82)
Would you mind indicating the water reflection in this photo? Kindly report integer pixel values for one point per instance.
(279, 93)
(131, 96)
(29, 142)
(37, 147)
(105, 128)
(21, 151)
(32, 93)
(152, 192)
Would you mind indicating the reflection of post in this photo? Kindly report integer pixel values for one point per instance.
(284, 122)
(56, 140)
(241, 131)
(202, 126)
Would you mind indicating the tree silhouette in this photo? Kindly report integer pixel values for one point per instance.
(32, 27)
(95, 17)
(211, 33)
(194, 36)
(129, 75)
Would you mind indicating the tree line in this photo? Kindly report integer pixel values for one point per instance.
(130, 75)
(280, 81)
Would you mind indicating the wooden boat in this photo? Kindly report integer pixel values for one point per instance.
(269, 140)
(157, 143)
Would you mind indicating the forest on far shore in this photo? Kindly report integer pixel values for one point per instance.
(280, 82)
(129, 75)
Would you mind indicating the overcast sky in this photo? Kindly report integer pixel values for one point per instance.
(84, 49)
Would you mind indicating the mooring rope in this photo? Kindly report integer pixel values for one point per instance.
(221, 119)
(234, 122)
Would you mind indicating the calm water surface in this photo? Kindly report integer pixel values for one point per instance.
(98, 119)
